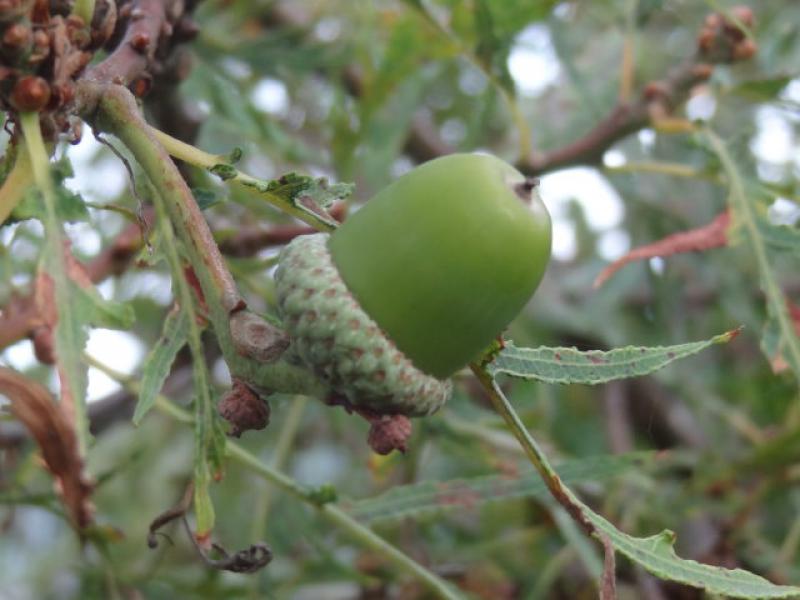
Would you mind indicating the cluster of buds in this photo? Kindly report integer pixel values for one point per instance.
(724, 38)
(42, 49)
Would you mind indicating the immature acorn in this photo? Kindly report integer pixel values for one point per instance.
(417, 283)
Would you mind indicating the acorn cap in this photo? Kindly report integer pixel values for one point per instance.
(445, 257)
(341, 343)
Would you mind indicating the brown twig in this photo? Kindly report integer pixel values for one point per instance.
(146, 20)
(719, 41)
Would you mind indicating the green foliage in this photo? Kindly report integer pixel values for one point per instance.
(430, 498)
(569, 365)
(357, 91)
(158, 363)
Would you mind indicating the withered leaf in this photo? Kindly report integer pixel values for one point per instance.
(52, 429)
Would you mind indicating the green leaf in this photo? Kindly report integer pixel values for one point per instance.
(104, 313)
(654, 553)
(207, 198)
(657, 555)
(433, 497)
(780, 237)
(69, 206)
(311, 195)
(746, 219)
(492, 49)
(761, 90)
(569, 365)
(157, 365)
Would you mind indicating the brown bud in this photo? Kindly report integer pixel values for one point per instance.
(142, 86)
(389, 432)
(10, 9)
(17, 38)
(30, 93)
(655, 90)
(744, 14)
(702, 71)
(745, 49)
(712, 21)
(706, 39)
(140, 41)
(244, 409)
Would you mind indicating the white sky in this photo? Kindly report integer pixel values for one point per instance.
(533, 66)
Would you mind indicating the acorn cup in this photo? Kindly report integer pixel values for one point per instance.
(417, 283)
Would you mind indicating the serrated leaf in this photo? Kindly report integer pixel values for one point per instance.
(159, 361)
(657, 555)
(311, 195)
(104, 313)
(570, 365)
(69, 206)
(433, 497)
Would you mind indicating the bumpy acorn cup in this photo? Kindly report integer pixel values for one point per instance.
(417, 283)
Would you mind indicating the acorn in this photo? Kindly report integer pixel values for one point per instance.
(416, 284)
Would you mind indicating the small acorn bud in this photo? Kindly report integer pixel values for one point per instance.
(30, 93)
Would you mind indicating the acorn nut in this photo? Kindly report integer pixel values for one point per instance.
(417, 283)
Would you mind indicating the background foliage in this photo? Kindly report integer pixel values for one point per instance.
(347, 90)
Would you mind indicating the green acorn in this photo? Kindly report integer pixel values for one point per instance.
(417, 283)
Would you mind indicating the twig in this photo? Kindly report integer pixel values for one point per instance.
(135, 52)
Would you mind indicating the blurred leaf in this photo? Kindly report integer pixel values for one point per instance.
(206, 198)
(745, 220)
(105, 313)
(53, 430)
(69, 205)
(569, 365)
(761, 90)
(159, 361)
(780, 237)
(436, 497)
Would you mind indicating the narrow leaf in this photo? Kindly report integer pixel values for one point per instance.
(569, 365)
(157, 365)
(657, 555)
(433, 497)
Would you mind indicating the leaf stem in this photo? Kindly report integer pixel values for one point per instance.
(203, 403)
(537, 457)
(16, 183)
(204, 160)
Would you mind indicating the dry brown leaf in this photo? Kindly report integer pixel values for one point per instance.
(713, 235)
(52, 429)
